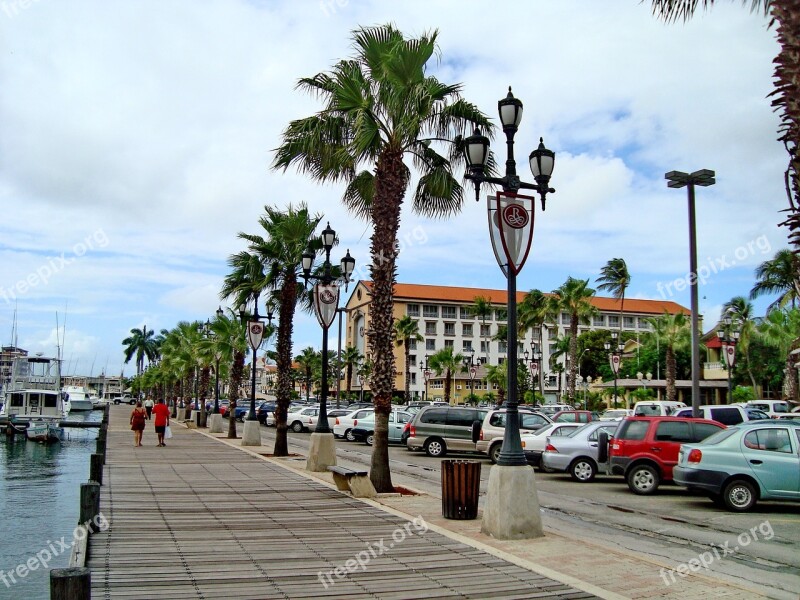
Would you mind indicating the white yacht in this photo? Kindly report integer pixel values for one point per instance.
(80, 398)
(33, 400)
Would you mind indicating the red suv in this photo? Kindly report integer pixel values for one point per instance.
(644, 449)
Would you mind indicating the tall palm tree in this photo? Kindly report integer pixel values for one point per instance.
(351, 358)
(575, 298)
(778, 276)
(561, 346)
(448, 362)
(674, 331)
(406, 330)
(498, 375)
(781, 329)
(614, 278)
(535, 310)
(230, 342)
(287, 234)
(142, 344)
(741, 313)
(482, 308)
(308, 360)
(379, 107)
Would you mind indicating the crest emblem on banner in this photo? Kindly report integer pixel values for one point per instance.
(614, 361)
(326, 300)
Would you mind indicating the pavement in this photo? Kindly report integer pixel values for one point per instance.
(578, 562)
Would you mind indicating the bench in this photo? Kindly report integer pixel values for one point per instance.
(355, 482)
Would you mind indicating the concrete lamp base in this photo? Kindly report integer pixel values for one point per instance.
(322, 453)
(512, 506)
(215, 424)
(252, 433)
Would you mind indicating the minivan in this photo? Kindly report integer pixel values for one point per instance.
(656, 408)
(437, 429)
(774, 408)
(727, 414)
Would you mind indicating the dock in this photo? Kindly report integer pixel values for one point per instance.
(203, 519)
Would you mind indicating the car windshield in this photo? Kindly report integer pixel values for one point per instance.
(648, 410)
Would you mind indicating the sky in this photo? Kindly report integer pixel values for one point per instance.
(136, 140)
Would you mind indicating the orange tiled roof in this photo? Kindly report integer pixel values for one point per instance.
(417, 291)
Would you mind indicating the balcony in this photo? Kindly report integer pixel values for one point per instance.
(714, 370)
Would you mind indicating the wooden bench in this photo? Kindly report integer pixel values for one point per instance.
(355, 482)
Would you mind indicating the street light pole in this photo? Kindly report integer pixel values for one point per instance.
(512, 510)
(614, 359)
(729, 338)
(679, 179)
(255, 335)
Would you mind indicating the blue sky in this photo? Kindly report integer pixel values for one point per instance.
(136, 138)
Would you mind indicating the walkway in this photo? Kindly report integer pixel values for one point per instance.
(202, 519)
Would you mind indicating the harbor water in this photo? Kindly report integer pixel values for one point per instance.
(39, 504)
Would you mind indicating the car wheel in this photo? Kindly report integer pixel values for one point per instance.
(583, 470)
(739, 495)
(435, 448)
(643, 479)
(348, 435)
(297, 427)
(370, 439)
(494, 453)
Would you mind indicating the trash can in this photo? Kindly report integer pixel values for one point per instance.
(461, 483)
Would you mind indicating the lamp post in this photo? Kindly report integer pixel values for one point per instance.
(533, 363)
(215, 420)
(322, 453)
(426, 374)
(255, 334)
(729, 336)
(614, 358)
(644, 379)
(679, 179)
(511, 219)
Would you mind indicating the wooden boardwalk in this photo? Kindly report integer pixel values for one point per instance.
(200, 519)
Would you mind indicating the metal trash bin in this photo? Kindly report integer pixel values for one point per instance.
(461, 483)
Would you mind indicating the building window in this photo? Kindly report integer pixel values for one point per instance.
(448, 312)
(466, 329)
(486, 330)
(466, 345)
(502, 347)
(501, 314)
(613, 321)
(629, 322)
(430, 310)
(413, 379)
(448, 343)
(466, 313)
(412, 344)
(412, 360)
(484, 346)
(430, 328)
(643, 324)
(598, 321)
(449, 328)
(430, 344)
(564, 318)
(500, 361)
(412, 310)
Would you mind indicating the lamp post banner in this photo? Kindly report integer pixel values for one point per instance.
(614, 361)
(511, 221)
(427, 374)
(534, 368)
(255, 333)
(326, 300)
(730, 355)
(472, 372)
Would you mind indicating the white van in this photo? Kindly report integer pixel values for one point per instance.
(727, 414)
(656, 408)
(774, 408)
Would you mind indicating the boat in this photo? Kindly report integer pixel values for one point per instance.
(79, 398)
(33, 398)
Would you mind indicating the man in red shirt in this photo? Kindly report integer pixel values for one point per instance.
(161, 420)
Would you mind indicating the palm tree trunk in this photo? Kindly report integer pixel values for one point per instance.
(349, 378)
(448, 377)
(204, 380)
(671, 368)
(283, 361)
(391, 182)
(573, 353)
(233, 394)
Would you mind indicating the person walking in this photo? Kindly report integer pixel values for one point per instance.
(148, 406)
(161, 421)
(138, 418)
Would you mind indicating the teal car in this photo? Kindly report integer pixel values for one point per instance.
(364, 429)
(757, 460)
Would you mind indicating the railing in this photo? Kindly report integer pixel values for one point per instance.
(713, 366)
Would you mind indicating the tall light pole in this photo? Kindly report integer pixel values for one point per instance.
(644, 379)
(614, 358)
(729, 336)
(322, 452)
(255, 335)
(511, 219)
(679, 179)
(472, 370)
(426, 374)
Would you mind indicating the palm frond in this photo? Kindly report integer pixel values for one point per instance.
(359, 195)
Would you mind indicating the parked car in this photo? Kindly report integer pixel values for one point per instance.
(645, 449)
(124, 400)
(263, 411)
(727, 414)
(551, 409)
(490, 438)
(343, 425)
(242, 409)
(533, 444)
(303, 420)
(333, 413)
(573, 416)
(749, 462)
(437, 429)
(616, 414)
(579, 453)
(774, 408)
(364, 429)
(656, 408)
(753, 414)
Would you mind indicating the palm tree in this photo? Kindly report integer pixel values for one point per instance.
(448, 362)
(781, 329)
(351, 358)
(379, 107)
(533, 312)
(406, 329)
(575, 298)
(498, 375)
(614, 278)
(288, 234)
(308, 359)
(741, 313)
(230, 337)
(482, 307)
(142, 344)
(778, 276)
(674, 331)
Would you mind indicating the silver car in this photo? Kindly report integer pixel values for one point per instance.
(579, 453)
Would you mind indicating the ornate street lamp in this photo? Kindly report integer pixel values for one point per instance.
(472, 370)
(217, 357)
(322, 453)
(426, 374)
(614, 359)
(729, 336)
(511, 219)
(679, 179)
